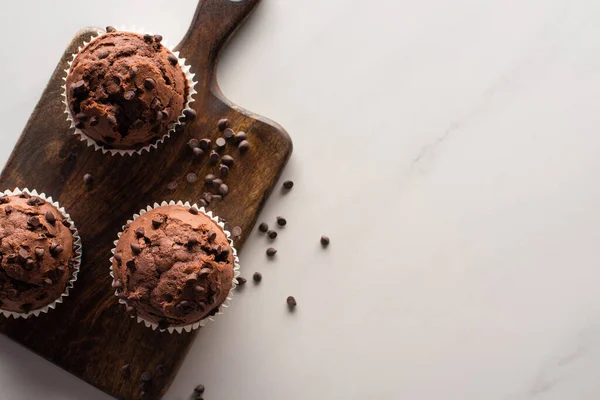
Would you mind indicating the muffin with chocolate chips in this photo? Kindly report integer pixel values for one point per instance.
(173, 266)
(126, 90)
(37, 254)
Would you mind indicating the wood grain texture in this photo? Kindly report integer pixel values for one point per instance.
(90, 335)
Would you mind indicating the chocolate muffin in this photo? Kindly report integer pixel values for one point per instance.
(126, 90)
(173, 266)
(37, 254)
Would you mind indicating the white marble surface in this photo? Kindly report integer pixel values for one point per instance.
(450, 148)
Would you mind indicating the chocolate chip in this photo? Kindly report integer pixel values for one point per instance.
(192, 241)
(146, 376)
(288, 185)
(240, 136)
(149, 83)
(291, 302)
(23, 254)
(102, 54)
(241, 281)
(191, 177)
(203, 203)
(56, 249)
(129, 309)
(200, 388)
(212, 235)
(148, 38)
(193, 210)
(263, 227)
(34, 222)
(160, 115)
(32, 201)
(88, 179)
(223, 124)
(29, 265)
(208, 197)
(130, 264)
(216, 183)
(193, 143)
(172, 59)
(140, 232)
(156, 223)
(236, 231)
(223, 170)
(110, 29)
(198, 289)
(158, 38)
(136, 248)
(4, 200)
(325, 241)
(39, 252)
(172, 185)
(191, 279)
(117, 284)
(227, 160)
(257, 277)
(81, 116)
(93, 121)
(78, 88)
(271, 251)
(204, 144)
(209, 179)
(281, 221)
(198, 152)
(228, 133)
(224, 189)
(272, 234)
(25, 195)
(126, 370)
(50, 217)
(133, 71)
(243, 146)
(189, 115)
(129, 95)
(8, 209)
(214, 157)
(220, 142)
(118, 257)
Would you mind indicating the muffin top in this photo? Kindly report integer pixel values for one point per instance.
(126, 90)
(173, 266)
(36, 248)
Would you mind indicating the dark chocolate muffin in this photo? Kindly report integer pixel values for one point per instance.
(37, 254)
(173, 266)
(126, 90)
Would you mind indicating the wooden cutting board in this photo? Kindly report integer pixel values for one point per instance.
(90, 335)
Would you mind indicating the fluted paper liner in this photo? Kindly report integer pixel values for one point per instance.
(76, 252)
(91, 142)
(236, 267)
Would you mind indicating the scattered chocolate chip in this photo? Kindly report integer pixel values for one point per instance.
(272, 234)
(209, 179)
(236, 231)
(263, 227)
(325, 241)
(33, 222)
(136, 248)
(130, 264)
(160, 115)
(156, 223)
(81, 116)
(80, 125)
(204, 144)
(216, 183)
(227, 160)
(281, 221)
(140, 232)
(191, 177)
(241, 281)
(223, 170)
(32, 202)
(29, 265)
(25, 195)
(158, 38)
(146, 376)
(199, 389)
(148, 38)
(257, 277)
(241, 136)
(129, 95)
(203, 203)
(93, 121)
(149, 83)
(288, 185)
(223, 124)
(56, 249)
(214, 157)
(198, 152)
(193, 210)
(118, 257)
(193, 143)
(8, 209)
(4, 200)
(102, 54)
(172, 59)
(291, 302)
(208, 197)
(110, 29)
(111, 120)
(50, 217)
(88, 179)
(228, 133)
(189, 114)
(172, 185)
(192, 241)
(271, 251)
(198, 289)
(78, 88)
(133, 71)
(220, 142)
(212, 235)
(39, 252)
(23, 254)
(243, 146)
(126, 370)
(224, 189)
(117, 284)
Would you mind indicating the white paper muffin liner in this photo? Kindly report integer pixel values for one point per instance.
(91, 142)
(76, 252)
(236, 268)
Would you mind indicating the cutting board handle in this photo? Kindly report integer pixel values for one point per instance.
(213, 24)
